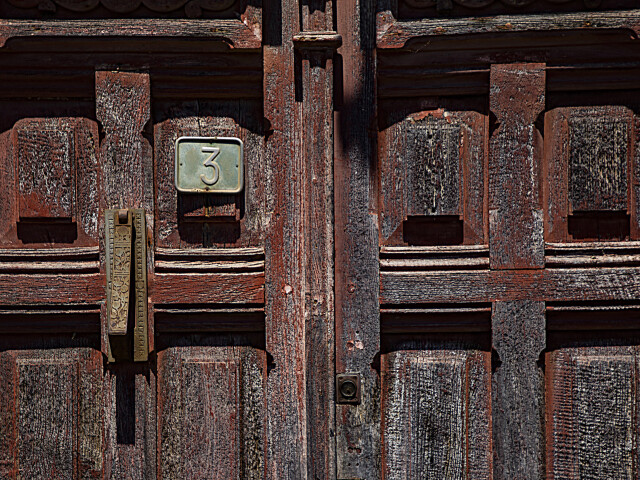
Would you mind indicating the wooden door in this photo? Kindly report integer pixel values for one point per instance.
(491, 187)
(439, 206)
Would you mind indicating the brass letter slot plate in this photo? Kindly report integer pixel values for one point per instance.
(126, 256)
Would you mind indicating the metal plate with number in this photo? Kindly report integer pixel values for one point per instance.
(209, 165)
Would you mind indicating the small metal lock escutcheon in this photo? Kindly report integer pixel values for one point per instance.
(348, 388)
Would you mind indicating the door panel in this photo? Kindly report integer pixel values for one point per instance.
(201, 220)
(436, 409)
(211, 411)
(52, 412)
(592, 420)
(51, 181)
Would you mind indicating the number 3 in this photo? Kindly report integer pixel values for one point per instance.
(209, 163)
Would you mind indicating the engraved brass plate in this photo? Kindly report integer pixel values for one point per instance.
(209, 165)
(140, 328)
(126, 257)
(118, 266)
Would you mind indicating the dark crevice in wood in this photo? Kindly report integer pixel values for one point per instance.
(33, 321)
(452, 341)
(594, 338)
(171, 321)
(47, 232)
(415, 321)
(599, 225)
(436, 230)
(610, 316)
(125, 404)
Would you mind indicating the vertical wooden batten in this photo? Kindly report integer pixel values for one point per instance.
(357, 292)
(517, 98)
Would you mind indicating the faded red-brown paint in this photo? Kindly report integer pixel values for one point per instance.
(422, 207)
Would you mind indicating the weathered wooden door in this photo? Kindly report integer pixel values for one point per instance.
(487, 173)
(430, 271)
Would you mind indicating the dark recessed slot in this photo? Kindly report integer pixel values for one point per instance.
(431, 231)
(43, 322)
(255, 340)
(47, 231)
(210, 234)
(606, 320)
(422, 322)
(592, 338)
(599, 225)
(174, 321)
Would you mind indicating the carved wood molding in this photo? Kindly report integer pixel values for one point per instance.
(233, 32)
(192, 8)
(448, 4)
(393, 33)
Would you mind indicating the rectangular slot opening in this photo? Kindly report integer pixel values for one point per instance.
(431, 231)
(596, 226)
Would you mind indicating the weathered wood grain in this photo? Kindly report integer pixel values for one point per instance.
(477, 286)
(598, 163)
(208, 288)
(51, 260)
(48, 192)
(592, 394)
(518, 338)
(436, 412)
(284, 302)
(432, 166)
(356, 242)
(516, 99)
(52, 413)
(53, 181)
(397, 33)
(211, 412)
(123, 109)
(318, 210)
(587, 167)
(233, 32)
(51, 289)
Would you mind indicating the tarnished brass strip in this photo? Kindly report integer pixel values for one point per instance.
(140, 329)
(118, 248)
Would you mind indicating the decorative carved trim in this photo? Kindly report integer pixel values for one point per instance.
(394, 34)
(233, 32)
(448, 4)
(192, 8)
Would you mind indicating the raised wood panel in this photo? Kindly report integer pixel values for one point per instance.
(436, 413)
(589, 170)
(433, 160)
(211, 413)
(199, 220)
(51, 187)
(51, 414)
(46, 170)
(592, 420)
(432, 175)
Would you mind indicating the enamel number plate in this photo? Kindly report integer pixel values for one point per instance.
(209, 165)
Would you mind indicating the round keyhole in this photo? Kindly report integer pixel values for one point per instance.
(348, 389)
